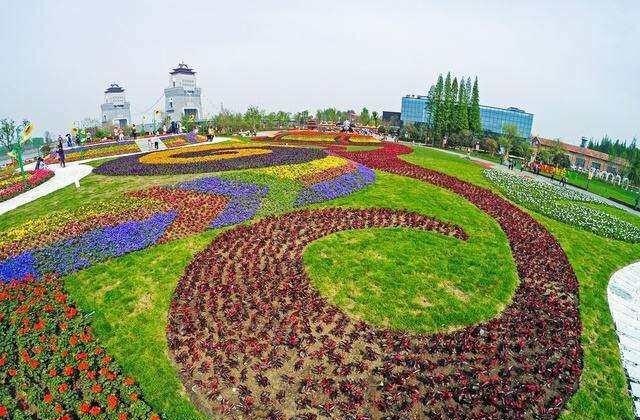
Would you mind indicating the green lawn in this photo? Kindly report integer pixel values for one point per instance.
(602, 188)
(370, 273)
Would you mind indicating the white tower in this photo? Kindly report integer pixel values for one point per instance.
(115, 109)
(182, 97)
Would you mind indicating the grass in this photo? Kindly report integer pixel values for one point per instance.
(128, 297)
(603, 390)
(352, 148)
(446, 284)
(602, 188)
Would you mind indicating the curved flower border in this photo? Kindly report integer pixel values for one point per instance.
(251, 337)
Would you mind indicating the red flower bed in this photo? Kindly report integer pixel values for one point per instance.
(51, 365)
(18, 186)
(195, 210)
(253, 338)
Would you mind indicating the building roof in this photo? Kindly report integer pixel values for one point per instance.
(114, 88)
(182, 69)
(572, 148)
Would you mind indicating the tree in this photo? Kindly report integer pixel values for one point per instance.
(301, 118)
(545, 156)
(632, 170)
(508, 138)
(491, 145)
(253, 117)
(365, 117)
(375, 119)
(475, 124)
(188, 123)
(448, 104)
(462, 117)
(454, 106)
(10, 133)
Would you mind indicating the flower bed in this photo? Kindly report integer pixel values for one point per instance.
(159, 215)
(51, 365)
(207, 158)
(321, 138)
(330, 186)
(254, 339)
(563, 204)
(15, 185)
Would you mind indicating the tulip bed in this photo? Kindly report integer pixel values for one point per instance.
(563, 204)
(15, 184)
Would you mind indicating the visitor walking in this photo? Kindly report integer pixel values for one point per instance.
(134, 133)
(69, 142)
(61, 157)
(59, 141)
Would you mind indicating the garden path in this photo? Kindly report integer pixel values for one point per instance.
(63, 176)
(623, 293)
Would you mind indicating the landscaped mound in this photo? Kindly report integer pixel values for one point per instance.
(15, 184)
(207, 158)
(563, 204)
(253, 338)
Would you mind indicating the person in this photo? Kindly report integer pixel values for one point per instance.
(60, 141)
(121, 135)
(69, 142)
(156, 143)
(61, 156)
(164, 128)
(563, 181)
(210, 134)
(134, 133)
(39, 162)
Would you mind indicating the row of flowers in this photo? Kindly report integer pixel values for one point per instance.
(563, 204)
(208, 158)
(167, 213)
(16, 185)
(252, 338)
(51, 365)
(322, 137)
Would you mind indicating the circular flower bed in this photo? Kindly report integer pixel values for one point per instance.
(207, 158)
(322, 138)
(15, 184)
(253, 338)
(563, 204)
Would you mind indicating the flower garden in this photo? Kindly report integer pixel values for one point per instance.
(272, 279)
(15, 184)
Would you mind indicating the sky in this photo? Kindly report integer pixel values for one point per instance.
(574, 64)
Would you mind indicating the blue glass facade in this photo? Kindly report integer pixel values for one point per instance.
(414, 109)
(494, 119)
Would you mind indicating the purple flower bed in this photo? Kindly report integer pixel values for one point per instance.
(82, 251)
(336, 187)
(244, 198)
(131, 165)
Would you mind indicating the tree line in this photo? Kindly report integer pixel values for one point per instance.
(453, 107)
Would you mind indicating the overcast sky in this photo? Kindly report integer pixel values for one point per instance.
(574, 64)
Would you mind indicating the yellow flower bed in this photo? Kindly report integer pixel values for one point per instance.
(312, 138)
(360, 138)
(297, 170)
(116, 149)
(53, 220)
(172, 156)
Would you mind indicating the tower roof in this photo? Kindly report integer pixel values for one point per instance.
(114, 88)
(182, 69)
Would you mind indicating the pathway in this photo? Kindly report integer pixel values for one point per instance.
(147, 144)
(623, 293)
(62, 178)
(74, 171)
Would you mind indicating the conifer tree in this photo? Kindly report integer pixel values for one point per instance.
(475, 124)
(454, 106)
(438, 111)
(448, 104)
(462, 120)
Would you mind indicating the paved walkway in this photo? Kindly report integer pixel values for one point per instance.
(62, 178)
(623, 293)
(74, 171)
(148, 144)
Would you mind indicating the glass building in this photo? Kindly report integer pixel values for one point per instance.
(415, 110)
